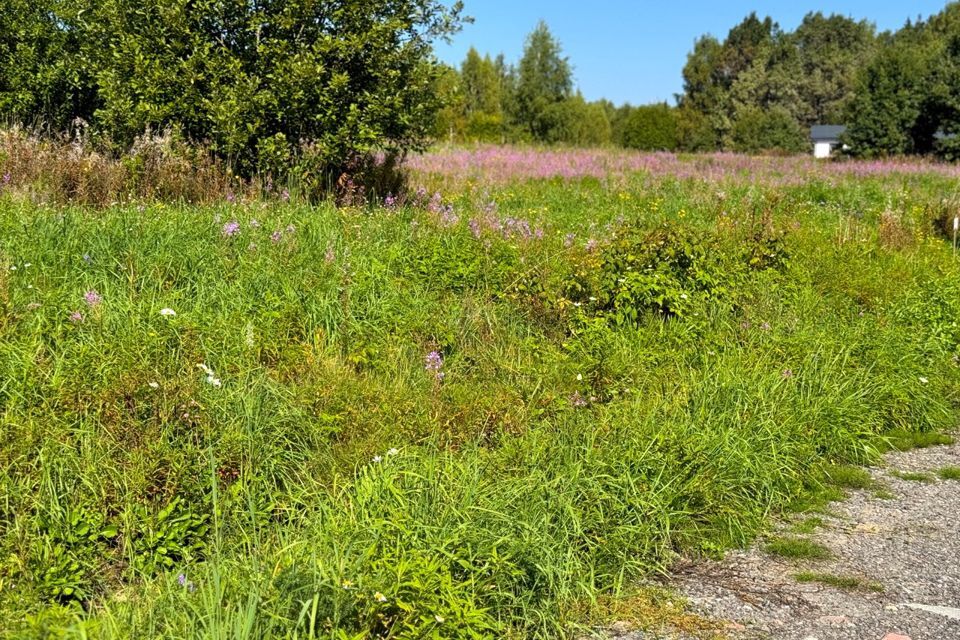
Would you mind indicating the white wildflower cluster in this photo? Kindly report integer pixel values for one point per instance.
(212, 378)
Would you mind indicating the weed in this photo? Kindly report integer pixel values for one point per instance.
(913, 476)
(848, 477)
(798, 548)
(840, 582)
(949, 473)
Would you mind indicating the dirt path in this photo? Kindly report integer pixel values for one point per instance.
(903, 549)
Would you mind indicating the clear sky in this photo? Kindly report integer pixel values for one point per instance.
(634, 50)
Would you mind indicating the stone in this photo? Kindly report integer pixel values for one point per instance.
(835, 621)
(895, 636)
(621, 628)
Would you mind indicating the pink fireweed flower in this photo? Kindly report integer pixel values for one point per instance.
(231, 228)
(92, 298)
(76, 317)
(434, 364)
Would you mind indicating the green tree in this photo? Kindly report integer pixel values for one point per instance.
(757, 130)
(43, 81)
(254, 79)
(651, 128)
(544, 82)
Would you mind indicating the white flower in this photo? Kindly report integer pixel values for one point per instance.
(379, 597)
(439, 619)
(579, 376)
(207, 370)
(211, 380)
(166, 311)
(393, 451)
(13, 268)
(27, 265)
(923, 380)
(154, 385)
(377, 458)
(683, 296)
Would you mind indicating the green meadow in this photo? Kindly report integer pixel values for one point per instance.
(489, 412)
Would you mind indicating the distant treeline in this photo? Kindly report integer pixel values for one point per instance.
(758, 89)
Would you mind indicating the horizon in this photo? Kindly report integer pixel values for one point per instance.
(650, 70)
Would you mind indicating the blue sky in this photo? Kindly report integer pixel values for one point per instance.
(634, 50)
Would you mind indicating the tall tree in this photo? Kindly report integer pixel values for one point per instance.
(544, 81)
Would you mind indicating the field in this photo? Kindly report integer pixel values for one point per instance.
(484, 409)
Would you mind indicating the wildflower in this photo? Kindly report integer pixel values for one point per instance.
(591, 245)
(291, 228)
(765, 326)
(167, 312)
(13, 267)
(787, 373)
(579, 376)
(346, 584)
(252, 246)
(439, 619)
(285, 195)
(474, 228)
(329, 256)
(182, 579)
(377, 459)
(923, 380)
(92, 298)
(390, 201)
(212, 378)
(393, 451)
(231, 198)
(577, 400)
(568, 239)
(276, 236)
(6, 178)
(33, 305)
(87, 258)
(76, 316)
(434, 362)
(231, 228)
(153, 385)
(254, 224)
(27, 265)
(379, 597)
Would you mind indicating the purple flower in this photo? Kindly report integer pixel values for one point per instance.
(6, 178)
(591, 245)
(231, 229)
(76, 317)
(285, 195)
(577, 400)
(92, 298)
(276, 236)
(329, 256)
(474, 228)
(291, 228)
(568, 239)
(787, 373)
(390, 201)
(230, 197)
(182, 579)
(434, 364)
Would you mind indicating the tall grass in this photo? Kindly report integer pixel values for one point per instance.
(318, 479)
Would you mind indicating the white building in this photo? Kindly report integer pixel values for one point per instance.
(825, 138)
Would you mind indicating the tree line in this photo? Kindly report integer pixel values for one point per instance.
(312, 85)
(759, 89)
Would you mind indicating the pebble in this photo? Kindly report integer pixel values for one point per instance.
(895, 636)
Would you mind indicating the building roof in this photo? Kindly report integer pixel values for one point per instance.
(827, 132)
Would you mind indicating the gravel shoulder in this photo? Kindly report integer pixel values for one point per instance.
(896, 546)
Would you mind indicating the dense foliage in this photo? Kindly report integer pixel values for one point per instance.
(478, 413)
(263, 84)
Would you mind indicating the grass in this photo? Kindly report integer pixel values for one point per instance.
(949, 473)
(848, 477)
(913, 476)
(807, 525)
(625, 369)
(798, 549)
(850, 583)
(902, 440)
